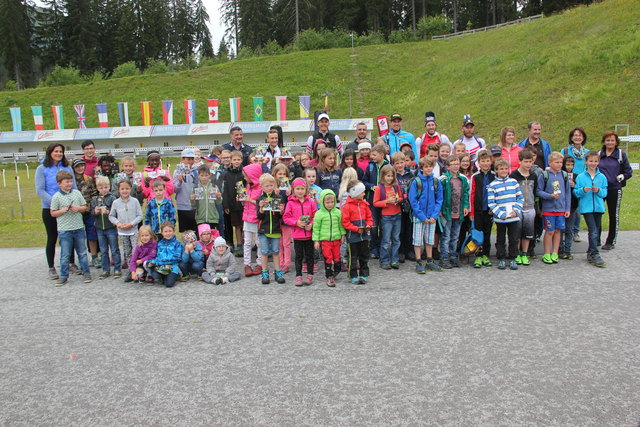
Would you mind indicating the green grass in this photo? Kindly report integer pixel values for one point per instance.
(579, 68)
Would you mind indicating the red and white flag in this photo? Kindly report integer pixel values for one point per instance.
(212, 107)
(167, 112)
(58, 118)
(37, 117)
(281, 108)
(383, 125)
(190, 111)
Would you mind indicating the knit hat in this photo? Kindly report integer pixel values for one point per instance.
(204, 228)
(297, 182)
(365, 145)
(356, 190)
(219, 242)
(189, 237)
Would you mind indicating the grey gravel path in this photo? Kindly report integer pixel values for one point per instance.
(546, 345)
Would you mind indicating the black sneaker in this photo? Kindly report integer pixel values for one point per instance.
(385, 266)
(597, 261)
(88, 279)
(455, 262)
(61, 281)
(401, 258)
(128, 279)
(104, 275)
(444, 263)
(608, 246)
(395, 265)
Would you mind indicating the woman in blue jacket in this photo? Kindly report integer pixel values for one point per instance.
(46, 186)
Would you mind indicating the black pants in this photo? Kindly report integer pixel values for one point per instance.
(613, 199)
(406, 234)
(229, 234)
(358, 255)
(304, 251)
(51, 227)
(513, 230)
(167, 279)
(187, 221)
(483, 222)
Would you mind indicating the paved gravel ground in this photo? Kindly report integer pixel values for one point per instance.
(545, 345)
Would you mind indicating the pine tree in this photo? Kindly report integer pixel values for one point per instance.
(15, 48)
(202, 34)
(80, 37)
(230, 11)
(255, 23)
(48, 38)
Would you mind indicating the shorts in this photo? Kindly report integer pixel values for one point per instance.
(424, 233)
(90, 229)
(528, 221)
(269, 245)
(236, 218)
(552, 223)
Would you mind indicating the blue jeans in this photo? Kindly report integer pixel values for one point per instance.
(594, 225)
(109, 239)
(449, 238)
(192, 267)
(566, 238)
(390, 242)
(70, 240)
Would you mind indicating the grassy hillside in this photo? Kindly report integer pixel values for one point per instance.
(578, 68)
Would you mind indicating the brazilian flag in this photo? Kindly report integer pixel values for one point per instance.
(258, 108)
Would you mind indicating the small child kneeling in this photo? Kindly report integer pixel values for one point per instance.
(221, 265)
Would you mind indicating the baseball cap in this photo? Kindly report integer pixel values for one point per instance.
(395, 116)
(467, 120)
(496, 150)
(77, 162)
(323, 116)
(429, 116)
(188, 152)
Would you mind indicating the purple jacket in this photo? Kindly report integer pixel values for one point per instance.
(612, 166)
(143, 253)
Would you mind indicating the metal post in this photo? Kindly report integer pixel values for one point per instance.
(4, 179)
(28, 172)
(19, 193)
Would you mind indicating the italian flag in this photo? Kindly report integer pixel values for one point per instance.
(281, 108)
(37, 117)
(234, 107)
(58, 118)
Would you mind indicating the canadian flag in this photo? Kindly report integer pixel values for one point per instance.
(212, 106)
(383, 125)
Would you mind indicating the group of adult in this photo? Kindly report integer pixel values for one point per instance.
(614, 163)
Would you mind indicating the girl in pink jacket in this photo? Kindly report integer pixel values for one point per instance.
(252, 174)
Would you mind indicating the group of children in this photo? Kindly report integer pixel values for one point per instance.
(345, 209)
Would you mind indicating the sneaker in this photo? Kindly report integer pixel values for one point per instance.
(375, 255)
(315, 267)
(576, 238)
(128, 279)
(257, 270)
(518, 259)
(362, 280)
(309, 280)
(279, 276)
(401, 258)
(218, 281)
(486, 261)
(344, 267)
(455, 262)
(150, 280)
(96, 262)
(265, 277)
(566, 255)
(385, 266)
(331, 282)
(61, 281)
(525, 260)
(546, 258)
(285, 269)
(117, 274)
(608, 246)
(239, 252)
(430, 265)
(104, 275)
(248, 272)
(185, 278)
(88, 279)
(554, 258)
(598, 261)
(562, 255)
(298, 281)
(502, 264)
(513, 265)
(53, 274)
(73, 269)
(420, 268)
(395, 265)
(354, 281)
(444, 263)
(477, 263)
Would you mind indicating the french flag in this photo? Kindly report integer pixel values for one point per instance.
(167, 112)
(103, 117)
(190, 111)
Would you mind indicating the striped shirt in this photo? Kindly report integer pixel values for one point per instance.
(473, 145)
(505, 197)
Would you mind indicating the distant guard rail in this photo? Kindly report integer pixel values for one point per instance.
(484, 29)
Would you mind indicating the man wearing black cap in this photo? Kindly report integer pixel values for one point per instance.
(396, 137)
(430, 136)
(472, 143)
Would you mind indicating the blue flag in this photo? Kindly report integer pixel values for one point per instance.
(16, 119)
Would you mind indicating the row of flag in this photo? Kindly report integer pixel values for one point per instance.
(167, 112)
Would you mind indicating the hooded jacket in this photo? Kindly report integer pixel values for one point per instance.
(169, 252)
(206, 208)
(222, 263)
(327, 224)
(590, 202)
(147, 190)
(253, 171)
(555, 182)
(356, 214)
(194, 256)
(184, 189)
(447, 189)
(612, 166)
(143, 253)
(296, 209)
(505, 196)
(268, 220)
(229, 179)
(428, 203)
(157, 213)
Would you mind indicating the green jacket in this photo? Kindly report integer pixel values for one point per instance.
(445, 179)
(205, 204)
(327, 224)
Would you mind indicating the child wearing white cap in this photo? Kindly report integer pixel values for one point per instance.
(221, 265)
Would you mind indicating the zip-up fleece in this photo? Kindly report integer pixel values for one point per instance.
(445, 180)
(590, 202)
(294, 210)
(169, 252)
(225, 262)
(206, 209)
(327, 225)
(505, 195)
(556, 180)
(355, 214)
(229, 179)
(147, 190)
(128, 212)
(478, 190)
(101, 220)
(269, 221)
(193, 256)
(528, 186)
(429, 202)
(157, 213)
(143, 253)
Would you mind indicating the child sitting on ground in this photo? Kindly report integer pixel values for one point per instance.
(192, 259)
(221, 265)
(207, 238)
(145, 250)
(165, 267)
